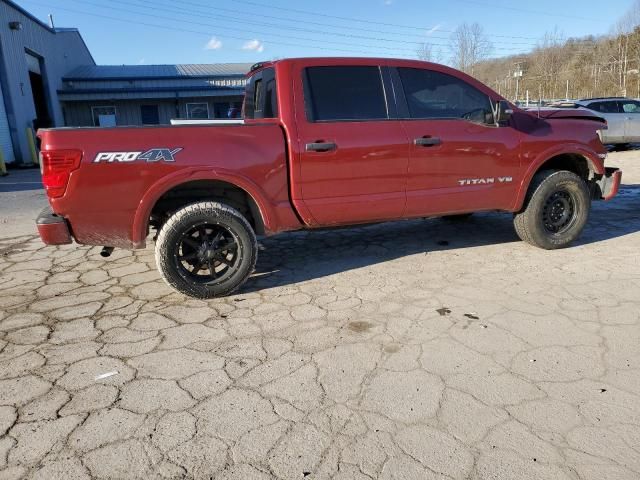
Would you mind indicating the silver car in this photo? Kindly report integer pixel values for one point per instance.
(621, 114)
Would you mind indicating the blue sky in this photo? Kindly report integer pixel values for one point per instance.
(212, 31)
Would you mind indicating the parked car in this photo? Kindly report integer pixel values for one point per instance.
(324, 142)
(622, 116)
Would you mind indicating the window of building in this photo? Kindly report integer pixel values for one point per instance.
(344, 93)
(104, 116)
(149, 114)
(433, 94)
(197, 111)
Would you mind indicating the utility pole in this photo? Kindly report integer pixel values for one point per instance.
(518, 73)
(567, 95)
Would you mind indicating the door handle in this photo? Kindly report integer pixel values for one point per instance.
(321, 147)
(427, 141)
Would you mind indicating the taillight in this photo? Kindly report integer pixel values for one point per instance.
(57, 166)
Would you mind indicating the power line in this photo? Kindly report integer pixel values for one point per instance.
(308, 22)
(524, 10)
(146, 13)
(327, 25)
(369, 50)
(237, 20)
(360, 20)
(185, 30)
(248, 22)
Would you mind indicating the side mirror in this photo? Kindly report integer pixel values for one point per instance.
(504, 112)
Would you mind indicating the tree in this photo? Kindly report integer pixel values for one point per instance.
(469, 45)
(427, 53)
(549, 59)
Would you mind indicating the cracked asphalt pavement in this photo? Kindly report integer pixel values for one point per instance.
(411, 350)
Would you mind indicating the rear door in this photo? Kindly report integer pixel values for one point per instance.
(631, 111)
(611, 110)
(460, 160)
(353, 157)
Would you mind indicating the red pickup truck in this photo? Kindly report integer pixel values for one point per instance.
(323, 142)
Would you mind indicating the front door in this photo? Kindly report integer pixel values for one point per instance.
(460, 160)
(353, 158)
(631, 109)
(611, 110)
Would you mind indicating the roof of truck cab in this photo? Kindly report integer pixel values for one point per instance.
(345, 60)
(339, 61)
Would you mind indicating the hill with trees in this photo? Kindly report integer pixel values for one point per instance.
(557, 68)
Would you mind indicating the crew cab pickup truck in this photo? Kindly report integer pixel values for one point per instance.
(323, 142)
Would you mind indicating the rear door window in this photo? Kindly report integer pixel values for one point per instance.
(436, 95)
(344, 93)
(609, 106)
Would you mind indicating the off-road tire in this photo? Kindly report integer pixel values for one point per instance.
(172, 233)
(563, 186)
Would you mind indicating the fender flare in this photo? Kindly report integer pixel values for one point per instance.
(162, 186)
(596, 164)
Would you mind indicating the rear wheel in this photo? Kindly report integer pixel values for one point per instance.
(557, 209)
(206, 250)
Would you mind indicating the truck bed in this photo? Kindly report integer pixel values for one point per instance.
(125, 170)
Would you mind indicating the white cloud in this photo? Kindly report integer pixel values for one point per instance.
(142, 61)
(388, 2)
(433, 30)
(254, 46)
(213, 44)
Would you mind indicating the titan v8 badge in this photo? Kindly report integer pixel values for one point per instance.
(150, 156)
(484, 181)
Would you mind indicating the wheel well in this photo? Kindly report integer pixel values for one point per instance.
(572, 162)
(206, 190)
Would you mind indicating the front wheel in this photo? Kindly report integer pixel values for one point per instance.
(556, 212)
(206, 250)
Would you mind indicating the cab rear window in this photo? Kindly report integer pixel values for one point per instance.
(261, 100)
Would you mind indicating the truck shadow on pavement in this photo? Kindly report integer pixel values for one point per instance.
(309, 255)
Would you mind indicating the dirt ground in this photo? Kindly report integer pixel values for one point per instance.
(411, 350)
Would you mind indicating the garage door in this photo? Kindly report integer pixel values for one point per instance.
(5, 134)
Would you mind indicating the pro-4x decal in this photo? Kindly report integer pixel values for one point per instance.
(152, 155)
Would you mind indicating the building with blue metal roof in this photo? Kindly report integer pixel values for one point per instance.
(48, 78)
(97, 95)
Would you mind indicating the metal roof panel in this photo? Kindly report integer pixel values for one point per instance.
(126, 72)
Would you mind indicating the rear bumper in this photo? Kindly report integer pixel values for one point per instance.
(52, 228)
(606, 187)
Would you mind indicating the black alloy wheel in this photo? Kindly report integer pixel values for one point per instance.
(206, 250)
(207, 253)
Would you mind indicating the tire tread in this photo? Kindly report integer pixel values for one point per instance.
(163, 257)
(525, 222)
